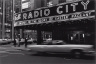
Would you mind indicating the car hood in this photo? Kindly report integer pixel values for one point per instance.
(67, 45)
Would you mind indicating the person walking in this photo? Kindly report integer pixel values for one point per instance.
(19, 42)
(26, 42)
(14, 42)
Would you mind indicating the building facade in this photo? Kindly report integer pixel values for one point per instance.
(28, 5)
(6, 11)
(1, 18)
(5, 19)
(72, 22)
(80, 29)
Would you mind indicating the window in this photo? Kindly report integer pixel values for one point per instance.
(62, 1)
(58, 42)
(42, 3)
(25, 5)
(49, 0)
(23, 0)
(17, 10)
(81, 36)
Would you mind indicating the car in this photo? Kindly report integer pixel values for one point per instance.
(59, 46)
(5, 41)
(30, 41)
(22, 41)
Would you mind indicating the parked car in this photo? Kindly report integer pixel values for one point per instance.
(59, 46)
(22, 41)
(30, 41)
(5, 41)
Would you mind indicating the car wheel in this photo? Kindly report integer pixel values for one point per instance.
(77, 54)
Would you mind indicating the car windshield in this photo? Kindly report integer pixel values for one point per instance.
(53, 42)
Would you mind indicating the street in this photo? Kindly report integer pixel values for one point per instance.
(8, 55)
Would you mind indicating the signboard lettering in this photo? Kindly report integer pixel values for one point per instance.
(73, 16)
(30, 15)
(85, 4)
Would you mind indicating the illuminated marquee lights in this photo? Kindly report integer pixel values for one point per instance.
(73, 16)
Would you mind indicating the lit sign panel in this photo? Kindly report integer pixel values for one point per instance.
(25, 5)
(23, 0)
(63, 12)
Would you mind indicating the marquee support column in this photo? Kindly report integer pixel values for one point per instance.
(39, 38)
(21, 33)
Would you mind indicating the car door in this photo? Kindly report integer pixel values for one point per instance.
(40, 48)
(59, 47)
(51, 47)
(62, 48)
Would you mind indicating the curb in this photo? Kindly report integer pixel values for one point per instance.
(22, 49)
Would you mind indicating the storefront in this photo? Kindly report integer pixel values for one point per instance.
(71, 22)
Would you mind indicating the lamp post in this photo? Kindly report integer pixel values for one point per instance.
(3, 26)
(13, 20)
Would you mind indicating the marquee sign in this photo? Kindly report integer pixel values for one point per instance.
(63, 12)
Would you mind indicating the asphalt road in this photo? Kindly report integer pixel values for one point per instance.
(12, 56)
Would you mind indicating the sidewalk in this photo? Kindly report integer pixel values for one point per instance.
(22, 48)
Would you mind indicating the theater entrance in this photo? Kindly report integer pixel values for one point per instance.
(46, 35)
(76, 37)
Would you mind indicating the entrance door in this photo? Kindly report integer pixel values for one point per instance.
(46, 35)
(76, 38)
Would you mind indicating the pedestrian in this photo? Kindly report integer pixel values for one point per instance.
(32, 41)
(15, 42)
(19, 42)
(26, 42)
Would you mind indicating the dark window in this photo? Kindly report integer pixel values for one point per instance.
(62, 1)
(48, 1)
(42, 3)
(17, 10)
